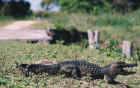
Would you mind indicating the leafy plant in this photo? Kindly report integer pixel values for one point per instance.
(59, 26)
(136, 54)
(111, 48)
(78, 5)
(51, 54)
(3, 81)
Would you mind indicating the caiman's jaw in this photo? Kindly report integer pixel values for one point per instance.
(111, 71)
(119, 66)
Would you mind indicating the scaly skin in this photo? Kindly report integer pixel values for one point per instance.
(79, 68)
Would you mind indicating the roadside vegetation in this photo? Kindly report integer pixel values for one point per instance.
(5, 20)
(14, 53)
(114, 24)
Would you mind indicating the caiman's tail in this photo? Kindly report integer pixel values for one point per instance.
(26, 69)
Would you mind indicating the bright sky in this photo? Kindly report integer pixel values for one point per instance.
(35, 4)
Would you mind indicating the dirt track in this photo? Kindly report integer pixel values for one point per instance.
(18, 25)
(16, 31)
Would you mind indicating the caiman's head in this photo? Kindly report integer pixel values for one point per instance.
(118, 68)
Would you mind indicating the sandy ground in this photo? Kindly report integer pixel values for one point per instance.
(16, 31)
(18, 25)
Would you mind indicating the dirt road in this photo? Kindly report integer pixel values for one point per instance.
(19, 31)
(18, 25)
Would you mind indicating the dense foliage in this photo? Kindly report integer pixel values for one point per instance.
(15, 9)
(46, 3)
(103, 5)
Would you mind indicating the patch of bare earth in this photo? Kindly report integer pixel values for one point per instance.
(18, 25)
(16, 31)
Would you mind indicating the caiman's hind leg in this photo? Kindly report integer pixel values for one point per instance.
(76, 73)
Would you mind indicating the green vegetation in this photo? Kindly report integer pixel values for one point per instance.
(114, 24)
(15, 9)
(14, 53)
(5, 20)
(98, 5)
(114, 29)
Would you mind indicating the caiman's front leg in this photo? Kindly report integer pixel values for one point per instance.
(109, 79)
(71, 70)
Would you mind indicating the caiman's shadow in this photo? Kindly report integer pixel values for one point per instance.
(68, 36)
(115, 83)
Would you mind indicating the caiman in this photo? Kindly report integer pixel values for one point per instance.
(79, 68)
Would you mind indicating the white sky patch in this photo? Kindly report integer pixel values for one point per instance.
(35, 4)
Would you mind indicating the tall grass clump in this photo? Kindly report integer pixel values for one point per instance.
(104, 19)
(109, 19)
(112, 25)
(5, 20)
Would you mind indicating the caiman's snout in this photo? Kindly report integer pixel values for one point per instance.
(122, 65)
(131, 65)
(111, 71)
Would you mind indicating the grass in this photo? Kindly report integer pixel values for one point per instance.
(13, 52)
(112, 27)
(5, 20)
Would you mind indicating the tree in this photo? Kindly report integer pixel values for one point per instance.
(15, 9)
(1, 4)
(80, 5)
(46, 3)
(91, 5)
